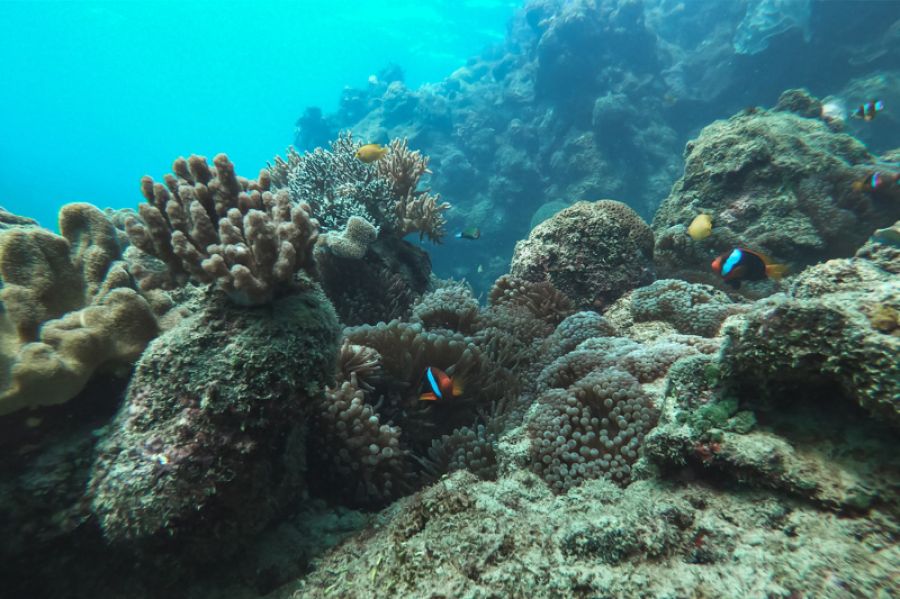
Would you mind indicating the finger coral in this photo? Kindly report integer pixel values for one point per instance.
(68, 309)
(210, 225)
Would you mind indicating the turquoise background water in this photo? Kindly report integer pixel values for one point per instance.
(97, 94)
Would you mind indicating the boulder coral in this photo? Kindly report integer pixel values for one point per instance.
(210, 439)
(775, 182)
(592, 251)
(69, 308)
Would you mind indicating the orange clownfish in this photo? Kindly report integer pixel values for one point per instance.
(741, 264)
(436, 384)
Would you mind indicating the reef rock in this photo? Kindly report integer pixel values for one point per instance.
(209, 443)
(592, 251)
(774, 182)
(804, 398)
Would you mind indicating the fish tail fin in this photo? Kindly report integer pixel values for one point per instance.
(458, 387)
(776, 271)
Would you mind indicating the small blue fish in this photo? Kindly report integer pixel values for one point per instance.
(868, 110)
(469, 233)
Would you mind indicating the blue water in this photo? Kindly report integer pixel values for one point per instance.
(97, 94)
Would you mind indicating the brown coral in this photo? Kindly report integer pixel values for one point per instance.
(212, 226)
(68, 310)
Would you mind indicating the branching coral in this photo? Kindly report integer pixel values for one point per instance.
(338, 186)
(68, 309)
(213, 226)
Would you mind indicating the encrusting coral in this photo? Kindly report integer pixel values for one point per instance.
(210, 225)
(69, 308)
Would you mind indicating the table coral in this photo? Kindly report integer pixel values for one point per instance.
(592, 251)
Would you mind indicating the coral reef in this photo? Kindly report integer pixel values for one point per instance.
(772, 181)
(592, 251)
(521, 124)
(364, 209)
(69, 309)
(214, 422)
(830, 332)
(689, 308)
(650, 539)
(379, 432)
(210, 225)
(380, 287)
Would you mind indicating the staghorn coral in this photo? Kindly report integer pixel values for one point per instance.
(592, 251)
(338, 186)
(210, 225)
(68, 309)
(213, 422)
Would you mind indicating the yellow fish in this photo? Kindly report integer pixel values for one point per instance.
(700, 227)
(371, 152)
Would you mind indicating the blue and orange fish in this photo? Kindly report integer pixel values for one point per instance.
(741, 264)
(438, 385)
(868, 110)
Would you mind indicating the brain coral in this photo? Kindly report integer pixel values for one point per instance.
(774, 182)
(592, 251)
